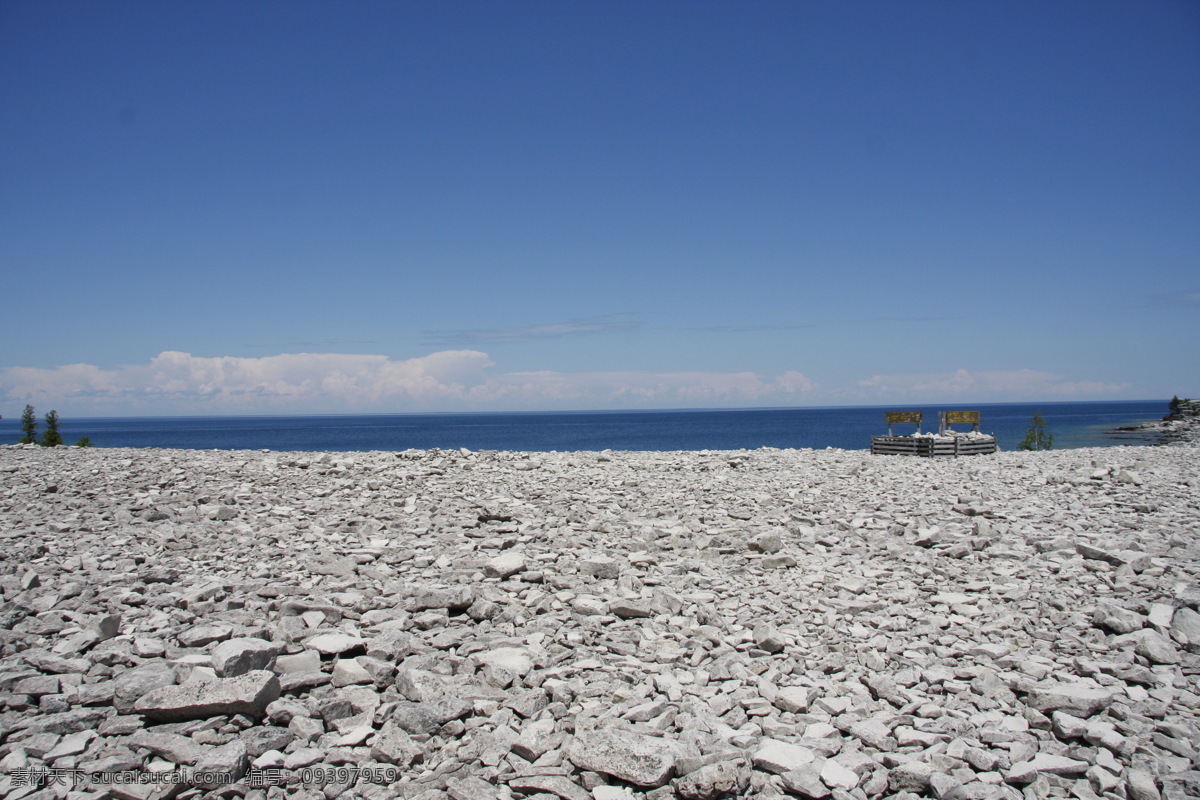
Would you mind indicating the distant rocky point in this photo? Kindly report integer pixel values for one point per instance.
(1181, 424)
(1183, 409)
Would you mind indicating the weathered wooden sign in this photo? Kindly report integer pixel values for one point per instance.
(962, 417)
(899, 417)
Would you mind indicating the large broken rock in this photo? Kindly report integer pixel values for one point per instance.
(171, 746)
(333, 644)
(775, 756)
(1080, 699)
(247, 694)
(222, 765)
(634, 757)
(1045, 763)
(1185, 629)
(65, 722)
(134, 683)
(555, 785)
(712, 781)
(392, 745)
(239, 656)
(505, 565)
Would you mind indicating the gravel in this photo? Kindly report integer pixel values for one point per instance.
(700, 625)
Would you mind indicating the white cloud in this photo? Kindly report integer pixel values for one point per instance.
(999, 385)
(181, 382)
(463, 380)
(174, 382)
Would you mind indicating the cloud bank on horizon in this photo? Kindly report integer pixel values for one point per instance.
(462, 380)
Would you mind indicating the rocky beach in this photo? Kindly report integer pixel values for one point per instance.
(1180, 425)
(597, 626)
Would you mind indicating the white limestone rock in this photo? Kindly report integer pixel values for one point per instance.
(239, 656)
(1185, 629)
(1044, 763)
(945, 608)
(1077, 698)
(778, 757)
(639, 759)
(247, 694)
(505, 565)
(333, 644)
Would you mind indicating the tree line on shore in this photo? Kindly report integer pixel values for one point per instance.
(50, 437)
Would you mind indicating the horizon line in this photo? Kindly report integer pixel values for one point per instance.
(1166, 402)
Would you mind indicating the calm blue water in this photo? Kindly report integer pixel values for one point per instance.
(1072, 424)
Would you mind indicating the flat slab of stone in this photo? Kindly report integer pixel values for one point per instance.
(551, 784)
(792, 698)
(1080, 699)
(601, 567)
(779, 757)
(332, 644)
(513, 659)
(469, 787)
(836, 776)
(1027, 771)
(873, 733)
(456, 598)
(65, 722)
(805, 781)
(1156, 648)
(1137, 561)
(505, 565)
(634, 757)
(631, 609)
(71, 745)
(246, 694)
(171, 746)
(306, 661)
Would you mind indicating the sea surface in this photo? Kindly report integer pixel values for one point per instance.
(851, 428)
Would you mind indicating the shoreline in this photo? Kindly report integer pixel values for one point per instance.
(606, 624)
(1169, 431)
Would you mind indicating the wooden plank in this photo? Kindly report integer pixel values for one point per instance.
(928, 448)
(900, 445)
(902, 417)
(962, 417)
(966, 447)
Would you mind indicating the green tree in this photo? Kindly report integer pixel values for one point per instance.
(1037, 437)
(84, 441)
(51, 437)
(1175, 404)
(28, 426)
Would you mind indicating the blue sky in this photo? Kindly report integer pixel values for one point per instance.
(229, 207)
